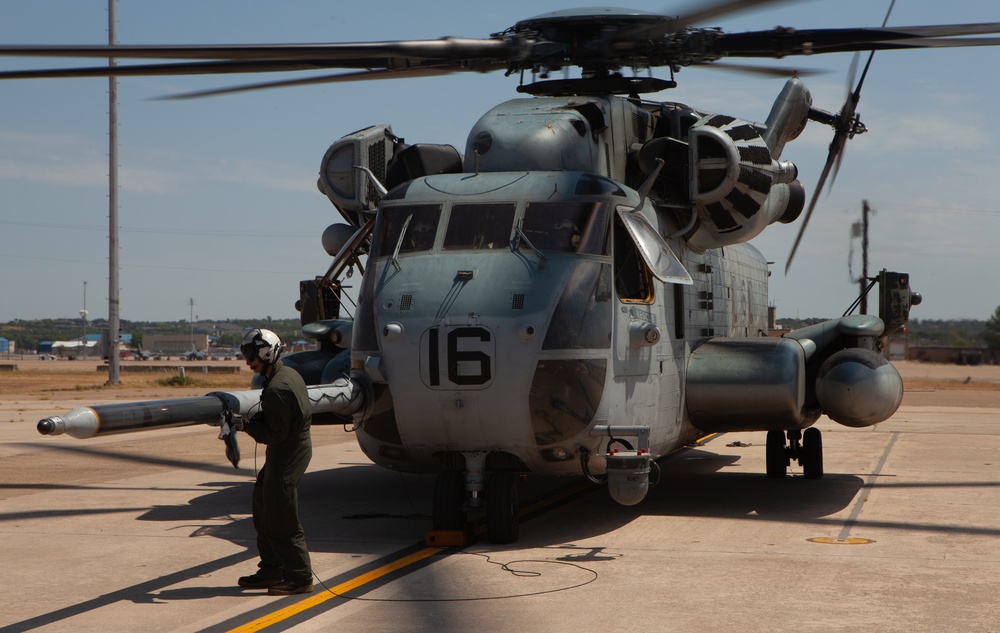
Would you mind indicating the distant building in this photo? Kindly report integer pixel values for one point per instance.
(77, 348)
(952, 355)
(6, 346)
(300, 346)
(174, 343)
(773, 329)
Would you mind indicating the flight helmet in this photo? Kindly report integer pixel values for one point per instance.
(263, 345)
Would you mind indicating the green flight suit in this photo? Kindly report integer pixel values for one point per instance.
(283, 426)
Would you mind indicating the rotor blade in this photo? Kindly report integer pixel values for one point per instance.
(770, 71)
(401, 73)
(951, 43)
(282, 58)
(781, 41)
(836, 166)
(704, 11)
(844, 130)
(812, 205)
(153, 70)
(448, 48)
(852, 71)
(694, 14)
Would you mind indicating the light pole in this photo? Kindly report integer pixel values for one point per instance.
(191, 304)
(114, 319)
(83, 315)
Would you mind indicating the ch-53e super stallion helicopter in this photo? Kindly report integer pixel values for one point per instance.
(575, 294)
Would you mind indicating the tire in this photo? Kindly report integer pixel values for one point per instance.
(502, 520)
(812, 453)
(449, 495)
(777, 458)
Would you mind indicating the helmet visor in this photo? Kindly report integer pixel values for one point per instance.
(249, 352)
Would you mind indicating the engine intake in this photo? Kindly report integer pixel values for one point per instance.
(737, 187)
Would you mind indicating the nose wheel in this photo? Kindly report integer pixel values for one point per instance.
(449, 499)
(499, 499)
(502, 521)
(806, 448)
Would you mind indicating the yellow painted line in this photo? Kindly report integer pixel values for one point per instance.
(853, 540)
(335, 592)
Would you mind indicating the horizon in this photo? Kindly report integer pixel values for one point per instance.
(296, 318)
(218, 196)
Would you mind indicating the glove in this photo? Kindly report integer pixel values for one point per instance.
(228, 426)
(228, 422)
(232, 449)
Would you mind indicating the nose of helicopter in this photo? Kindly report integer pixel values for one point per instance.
(475, 364)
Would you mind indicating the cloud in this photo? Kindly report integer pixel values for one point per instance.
(928, 129)
(76, 161)
(267, 174)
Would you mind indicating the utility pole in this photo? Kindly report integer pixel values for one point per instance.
(860, 229)
(191, 322)
(114, 326)
(863, 283)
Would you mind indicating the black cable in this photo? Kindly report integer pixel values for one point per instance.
(504, 566)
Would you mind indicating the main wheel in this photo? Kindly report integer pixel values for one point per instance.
(502, 521)
(777, 458)
(812, 453)
(449, 494)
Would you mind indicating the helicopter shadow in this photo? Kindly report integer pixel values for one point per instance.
(340, 509)
(700, 483)
(352, 507)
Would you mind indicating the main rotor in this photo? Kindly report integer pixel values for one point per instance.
(603, 43)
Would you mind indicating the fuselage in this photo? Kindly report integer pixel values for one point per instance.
(513, 311)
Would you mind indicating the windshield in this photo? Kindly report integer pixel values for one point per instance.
(479, 226)
(567, 227)
(420, 232)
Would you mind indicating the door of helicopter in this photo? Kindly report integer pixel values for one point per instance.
(641, 255)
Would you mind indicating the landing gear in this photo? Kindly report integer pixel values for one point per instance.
(809, 453)
(777, 456)
(449, 497)
(498, 497)
(502, 522)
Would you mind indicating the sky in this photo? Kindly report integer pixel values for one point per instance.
(218, 199)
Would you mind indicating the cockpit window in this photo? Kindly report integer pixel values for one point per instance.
(567, 227)
(479, 226)
(420, 231)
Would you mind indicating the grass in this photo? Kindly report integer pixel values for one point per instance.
(950, 385)
(39, 382)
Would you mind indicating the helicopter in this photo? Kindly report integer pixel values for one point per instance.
(575, 293)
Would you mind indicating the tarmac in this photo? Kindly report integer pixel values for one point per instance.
(150, 531)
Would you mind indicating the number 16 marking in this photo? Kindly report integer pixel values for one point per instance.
(465, 367)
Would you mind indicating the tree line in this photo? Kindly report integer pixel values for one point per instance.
(28, 334)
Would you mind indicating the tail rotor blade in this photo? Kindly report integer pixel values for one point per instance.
(848, 124)
(831, 157)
